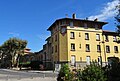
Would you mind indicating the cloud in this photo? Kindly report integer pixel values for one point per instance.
(14, 34)
(108, 11)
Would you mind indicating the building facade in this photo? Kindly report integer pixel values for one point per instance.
(78, 42)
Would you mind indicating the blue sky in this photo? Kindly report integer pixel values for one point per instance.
(29, 19)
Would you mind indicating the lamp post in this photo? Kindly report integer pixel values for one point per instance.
(103, 51)
(104, 48)
(1, 58)
(53, 61)
(100, 55)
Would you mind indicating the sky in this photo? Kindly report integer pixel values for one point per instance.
(30, 19)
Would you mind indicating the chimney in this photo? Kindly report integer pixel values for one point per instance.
(74, 16)
(86, 18)
(96, 19)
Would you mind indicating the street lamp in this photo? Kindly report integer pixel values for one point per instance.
(103, 51)
(100, 54)
(1, 58)
(53, 61)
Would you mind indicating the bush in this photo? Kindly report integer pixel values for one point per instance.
(35, 65)
(65, 73)
(93, 72)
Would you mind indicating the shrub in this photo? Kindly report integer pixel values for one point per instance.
(93, 72)
(65, 73)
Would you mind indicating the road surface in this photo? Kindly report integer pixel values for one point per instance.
(14, 75)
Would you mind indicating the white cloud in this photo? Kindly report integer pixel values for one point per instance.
(107, 12)
(14, 34)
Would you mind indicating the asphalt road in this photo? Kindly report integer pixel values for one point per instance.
(13, 74)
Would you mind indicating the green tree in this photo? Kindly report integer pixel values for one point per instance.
(117, 17)
(65, 73)
(13, 48)
(114, 70)
(93, 72)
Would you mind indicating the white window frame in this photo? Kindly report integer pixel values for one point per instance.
(72, 47)
(108, 49)
(116, 49)
(88, 60)
(72, 35)
(114, 38)
(98, 37)
(86, 36)
(98, 48)
(87, 48)
(71, 24)
(99, 60)
(73, 60)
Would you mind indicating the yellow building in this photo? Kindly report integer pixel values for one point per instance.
(78, 42)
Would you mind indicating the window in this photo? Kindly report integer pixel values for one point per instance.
(80, 46)
(85, 25)
(72, 47)
(71, 24)
(96, 27)
(98, 48)
(55, 37)
(86, 36)
(97, 37)
(56, 48)
(114, 38)
(63, 22)
(73, 60)
(63, 30)
(116, 49)
(106, 38)
(79, 35)
(99, 60)
(87, 48)
(80, 59)
(72, 35)
(108, 49)
(88, 60)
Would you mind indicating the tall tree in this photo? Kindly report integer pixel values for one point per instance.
(114, 69)
(117, 17)
(13, 48)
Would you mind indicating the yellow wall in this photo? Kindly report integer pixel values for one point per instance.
(63, 43)
(63, 47)
(112, 44)
(81, 52)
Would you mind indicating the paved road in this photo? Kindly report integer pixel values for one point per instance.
(11, 75)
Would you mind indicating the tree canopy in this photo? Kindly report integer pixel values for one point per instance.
(117, 17)
(12, 48)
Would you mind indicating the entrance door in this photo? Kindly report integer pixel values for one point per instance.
(100, 60)
(73, 60)
(88, 60)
